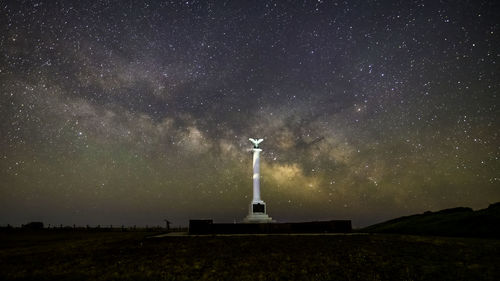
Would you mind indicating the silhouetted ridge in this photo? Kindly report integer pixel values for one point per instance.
(454, 210)
(494, 205)
(459, 221)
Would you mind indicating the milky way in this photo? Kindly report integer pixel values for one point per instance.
(130, 112)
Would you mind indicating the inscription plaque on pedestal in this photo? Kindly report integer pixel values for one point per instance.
(259, 208)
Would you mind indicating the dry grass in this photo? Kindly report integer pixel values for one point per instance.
(81, 255)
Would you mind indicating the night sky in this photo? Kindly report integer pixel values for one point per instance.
(130, 112)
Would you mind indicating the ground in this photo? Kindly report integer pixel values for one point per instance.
(132, 255)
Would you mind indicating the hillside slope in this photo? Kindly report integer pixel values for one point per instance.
(459, 221)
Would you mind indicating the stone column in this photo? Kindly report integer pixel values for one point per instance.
(256, 175)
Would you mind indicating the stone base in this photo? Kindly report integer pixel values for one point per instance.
(257, 213)
(258, 218)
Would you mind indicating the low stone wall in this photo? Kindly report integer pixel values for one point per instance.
(208, 227)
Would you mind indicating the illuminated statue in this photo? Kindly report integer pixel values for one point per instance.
(255, 142)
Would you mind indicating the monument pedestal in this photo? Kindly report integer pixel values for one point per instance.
(257, 213)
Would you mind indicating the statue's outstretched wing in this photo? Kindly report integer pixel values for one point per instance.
(255, 142)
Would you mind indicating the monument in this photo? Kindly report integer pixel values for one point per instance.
(258, 222)
(257, 211)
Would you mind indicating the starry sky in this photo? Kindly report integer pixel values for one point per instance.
(130, 112)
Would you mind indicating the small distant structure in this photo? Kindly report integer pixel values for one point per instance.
(8, 226)
(167, 224)
(33, 225)
(203, 226)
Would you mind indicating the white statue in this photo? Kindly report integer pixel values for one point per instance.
(255, 142)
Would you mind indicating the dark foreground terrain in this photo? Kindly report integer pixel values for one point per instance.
(83, 255)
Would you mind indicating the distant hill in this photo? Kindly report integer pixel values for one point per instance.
(459, 221)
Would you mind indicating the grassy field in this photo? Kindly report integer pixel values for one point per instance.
(82, 255)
